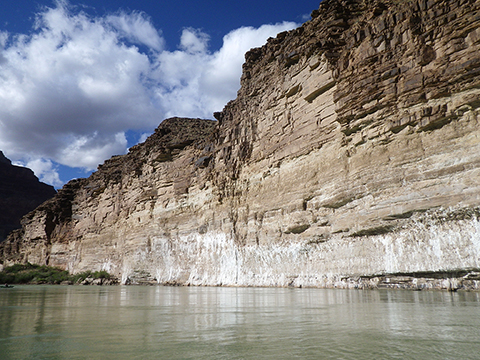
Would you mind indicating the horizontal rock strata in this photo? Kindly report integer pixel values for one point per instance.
(350, 158)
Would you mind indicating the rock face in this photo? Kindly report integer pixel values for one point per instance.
(20, 193)
(350, 158)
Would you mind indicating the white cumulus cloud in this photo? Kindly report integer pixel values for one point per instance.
(71, 89)
(195, 82)
(44, 169)
(137, 28)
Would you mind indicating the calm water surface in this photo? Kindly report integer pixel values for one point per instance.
(120, 322)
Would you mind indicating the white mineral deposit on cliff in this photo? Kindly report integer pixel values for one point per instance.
(215, 259)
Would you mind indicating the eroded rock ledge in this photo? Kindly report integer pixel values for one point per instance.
(350, 158)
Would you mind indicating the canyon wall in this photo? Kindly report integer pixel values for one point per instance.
(20, 193)
(350, 158)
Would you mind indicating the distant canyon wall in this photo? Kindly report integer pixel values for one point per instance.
(350, 158)
(20, 193)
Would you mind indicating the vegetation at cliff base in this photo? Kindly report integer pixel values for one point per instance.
(42, 274)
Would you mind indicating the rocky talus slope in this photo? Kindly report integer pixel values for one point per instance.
(350, 158)
(20, 193)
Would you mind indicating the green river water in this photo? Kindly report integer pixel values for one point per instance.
(140, 322)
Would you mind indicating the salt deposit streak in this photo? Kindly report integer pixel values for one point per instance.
(215, 259)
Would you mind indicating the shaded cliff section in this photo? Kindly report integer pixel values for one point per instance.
(20, 193)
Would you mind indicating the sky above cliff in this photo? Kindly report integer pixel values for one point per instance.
(83, 80)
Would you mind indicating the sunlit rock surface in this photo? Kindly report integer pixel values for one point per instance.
(350, 158)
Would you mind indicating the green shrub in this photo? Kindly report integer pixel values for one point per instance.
(80, 277)
(42, 274)
(23, 277)
(6, 278)
(19, 267)
(101, 275)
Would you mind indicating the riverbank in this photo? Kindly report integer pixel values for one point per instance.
(42, 274)
(466, 280)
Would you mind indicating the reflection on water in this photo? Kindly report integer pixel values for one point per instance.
(75, 322)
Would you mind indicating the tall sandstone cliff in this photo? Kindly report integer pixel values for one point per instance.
(350, 158)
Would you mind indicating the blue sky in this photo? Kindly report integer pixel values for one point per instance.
(81, 81)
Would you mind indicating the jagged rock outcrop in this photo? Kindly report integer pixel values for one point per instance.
(20, 193)
(350, 158)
